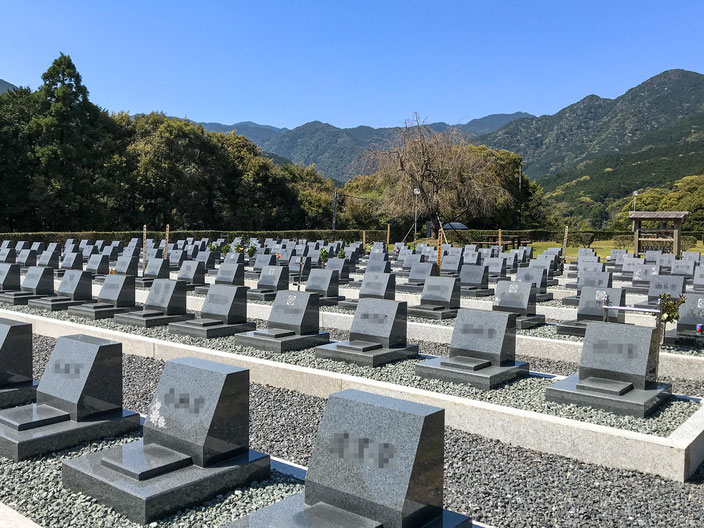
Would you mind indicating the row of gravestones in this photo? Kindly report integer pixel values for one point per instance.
(377, 461)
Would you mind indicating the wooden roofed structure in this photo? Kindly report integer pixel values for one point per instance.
(671, 232)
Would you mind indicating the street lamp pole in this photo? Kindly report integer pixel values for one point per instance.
(635, 195)
(416, 192)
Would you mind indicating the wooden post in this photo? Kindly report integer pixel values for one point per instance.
(144, 249)
(564, 243)
(500, 240)
(388, 236)
(439, 249)
(364, 241)
(166, 243)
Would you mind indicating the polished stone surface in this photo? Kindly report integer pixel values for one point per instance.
(16, 383)
(325, 283)
(166, 303)
(224, 313)
(9, 277)
(38, 282)
(590, 308)
(76, 288)
(440, 299)
(271, 280)
(515, 297)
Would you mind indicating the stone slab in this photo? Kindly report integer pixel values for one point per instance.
(451, 369)
(274, 342)
(358, 355)
(149, 320)
(193, 329)
(98, 311)
(18, 394)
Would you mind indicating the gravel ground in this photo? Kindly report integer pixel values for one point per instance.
(498, 484)
(526, 393)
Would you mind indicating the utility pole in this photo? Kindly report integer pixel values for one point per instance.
(635, 195)
(416, 192)
(334, 210)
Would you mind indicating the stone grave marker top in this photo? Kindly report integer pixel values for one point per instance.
(76, 284)
(538, 277)
(441, 291)
(39, 281)
(230, 273)
(380, 321)
(518, 297)
(474, 275)
(167, 297)
(226, 303)
(378, 285)
(672, 285)
(15, 352)
(117, 290)
(295, 310)
(484, 335)
(275, 277)
(9, 276)
(591, 303)
(323, 282)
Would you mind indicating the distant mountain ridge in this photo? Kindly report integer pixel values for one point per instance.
(338, 152)
(5, 86)
(596, 126)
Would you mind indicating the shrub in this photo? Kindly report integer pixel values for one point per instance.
(324, 255)
(688, 242)
(580, 239)
(341, 253)
(623, 241)
(251, 251)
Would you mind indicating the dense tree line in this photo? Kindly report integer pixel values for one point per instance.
(68, 165)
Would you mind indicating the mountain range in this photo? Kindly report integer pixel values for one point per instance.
(5, 86)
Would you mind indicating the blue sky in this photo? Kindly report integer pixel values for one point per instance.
(349, 63)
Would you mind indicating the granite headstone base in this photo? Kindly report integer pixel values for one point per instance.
(279, 340)
(331, 301)
(208, 328)
(614, 396)
(637, 289)
(202, 290)
(96, 311)
(55, 304)
(18, 394)
(292, 512)
(649, 304)
(478, 373)
(689, 338)
(523, 322)
(409, 288)
(144, 483)
(364, 353)
(572, 300)
(18, 298)
(429, 311)
(31, 430)
(256, 294)
(150, 318)
(543, 297)
(141, 282)
(191, 286)
(348, 304)
(470, 291)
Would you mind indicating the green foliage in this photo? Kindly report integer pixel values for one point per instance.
(670, 307)
(251, 251)
(623, 242)
(324, 255)
(580, 239)
(688, 242)
(341, 253)
(226, 249)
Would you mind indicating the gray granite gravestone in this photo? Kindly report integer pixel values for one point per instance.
(652, 256)
(79, 399)
(641, 277)
(419, 272)
(272, 280)
(208, 259)
(482, 351)
(16, 383)
(596, 279)
(110, 252)
(126, 265)
(263, 260)
(591, 308)
(665, 261)
(538, 278)
(377, 335)
(473, 258)
(72, 261)
(49, 259)
(166, 303)
(116, 296)
(618, 371)
(324, 282)
(88, 251)
(684, 268)
(27, 258)
(375, 286)
(672, 285)
(451, 265)
(440, 299)
(234, 258)
(518, 298)
(9, 277)
(192, 274)
(157, 268)
(342, 267)
(76, 288)
(299, 268)
(377, 462)
(39, 282)
(224, 313)
(698, 282)
(378, 266)
(8, 256)
(293, 324)
(176, 259)
(474, 280)
(98, 265)
(195, 445)
(690, 325)
(228, 273)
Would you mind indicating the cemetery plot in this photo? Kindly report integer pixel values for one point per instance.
(16, 383)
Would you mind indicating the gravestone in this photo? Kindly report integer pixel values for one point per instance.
(116, 296)
(473, 258)
(126, 265)
(451, 265)
(596, 279)
(293, 324)
(591, 308)
(49, 259)
(72, 261)
(341, 266)
(261, 261)
(482, 351)
(195, 446)
(89, 251)
(518, 298)
(698, 282)
(377, 335)
(378, 266)
(272, 279)
(166, 303)
(440, 299)
(38, 247)
(474, 280)
(496, 267)
(76, 288)
(110, 252)
(207, 258)
(192, 274)
(27, 258)
(79, 399)
(228, 273)
(666, 261)
(652, 256)
(16, 383)
(325, 283)
(672, 285)
(224, 313)
(297, 270)
(642, 275)
(684, 268)
(375, 286)
(176, 259)
(9, 277)
(375, 463)
(618, 371)
(544, 264)
(234, 258)
(157, 268)
(39, 282)
(98, 265)
(538, 278)
(410, 260)
(8, 256)
(419, 272)
(690, 325)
